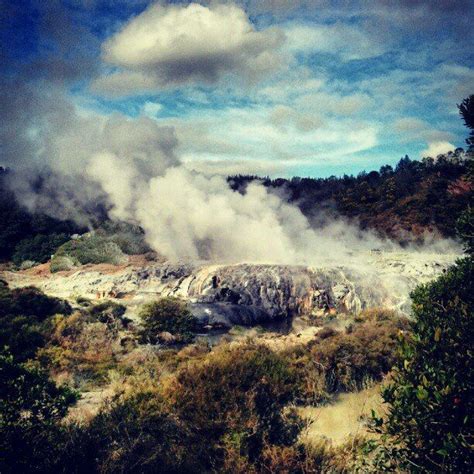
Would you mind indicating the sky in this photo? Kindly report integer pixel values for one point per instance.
(279, 88)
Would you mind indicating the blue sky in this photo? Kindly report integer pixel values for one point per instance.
(308, 88)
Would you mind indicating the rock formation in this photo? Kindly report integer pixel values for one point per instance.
(249, 294)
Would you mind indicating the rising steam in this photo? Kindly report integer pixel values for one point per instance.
(132, 166)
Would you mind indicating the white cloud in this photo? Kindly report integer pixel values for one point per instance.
(287, 137)
(176, 45)
(151, 109)
(410, 129)
(348, 42)
(437, 148)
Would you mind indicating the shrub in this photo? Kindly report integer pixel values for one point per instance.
(30, 301)
(110, 313)
(129, 237)
(31, 407)
(137, 435)
(25, 315)
(465, 229)
(38, 248)
(234, 399)
(83, 347)
(348, 359)
(167, 315)
(61, 264)
(428, 427)
(90, 249)
(338, 361)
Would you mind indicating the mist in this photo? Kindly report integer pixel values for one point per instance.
(132, 167)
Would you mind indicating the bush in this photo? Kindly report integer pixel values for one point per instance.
(89, 249)
(428, 427)
(130, 238)
(82, 347)
(340, 361)
(348, 360)
(38, 248)
(30, 301)
(31, 407)
(234, 400)
(61, 264)
(25, 315)
(110, 313)
(167, 315)
(137, 435)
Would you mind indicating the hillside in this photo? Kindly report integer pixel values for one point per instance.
(405, 203)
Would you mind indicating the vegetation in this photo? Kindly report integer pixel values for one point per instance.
(38, 248)
(18, 225)
(466, 109)
(404, 203)
(89, 248)
(193, 408)
(343, 361)
(169, 315)
(25, 319)
(429, 426)
(83, 347)
(31, 407)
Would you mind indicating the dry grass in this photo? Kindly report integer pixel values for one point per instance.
(343, 420)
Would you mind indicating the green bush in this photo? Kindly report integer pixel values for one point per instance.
(31, 407)
(342, 361)
(61, 264)
(465, 229)
(167, 315)
(29, 301)
(130, 238)
(24, 319)
(89, 248)
(428, 427)
(38, 248)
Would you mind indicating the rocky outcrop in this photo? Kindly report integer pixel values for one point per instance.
(249, 294)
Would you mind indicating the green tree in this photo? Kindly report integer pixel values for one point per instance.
(167, 315)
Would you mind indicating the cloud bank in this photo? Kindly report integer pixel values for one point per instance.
(173, 45)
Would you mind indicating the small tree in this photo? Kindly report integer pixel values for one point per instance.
(167, 315)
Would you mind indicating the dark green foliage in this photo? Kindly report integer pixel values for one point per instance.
(167, 315)
(466, 109)
(24, 314)
(130, 238)
(31, 407)
(465, 229)
(30, 301)
(38, 248)
(429, 426)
